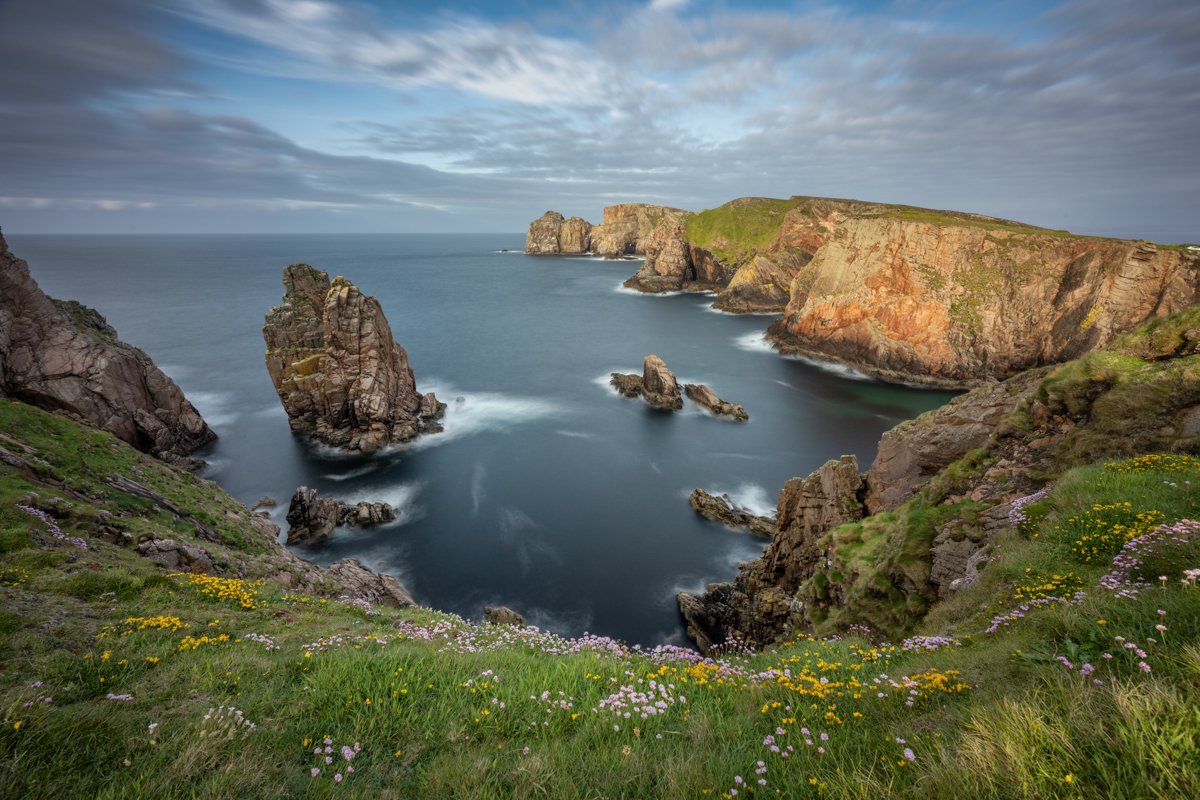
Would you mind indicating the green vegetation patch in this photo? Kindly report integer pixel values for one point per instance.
(737, 230)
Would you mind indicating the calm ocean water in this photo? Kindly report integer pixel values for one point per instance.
(548, 492)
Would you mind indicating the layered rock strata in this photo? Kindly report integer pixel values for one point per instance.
(704, 396)
(64, 357)
(340, 375)
(657, 385)
(955, 301)
(551, 234)
(311, 518)
(627, 230)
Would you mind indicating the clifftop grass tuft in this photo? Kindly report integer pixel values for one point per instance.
(735, 231)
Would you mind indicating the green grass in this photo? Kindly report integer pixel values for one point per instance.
(995, 716)
(737, 230)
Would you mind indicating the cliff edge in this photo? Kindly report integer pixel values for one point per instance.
(64, 357)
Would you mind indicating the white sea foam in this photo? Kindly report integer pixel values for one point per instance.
(482, 411)
(621, 288)
(357, 472)
(754, 342)
(575, 434)
(215, 407)
(747, 496)
(741, 549)
(709, 307)
(401, 497)
(477, 494)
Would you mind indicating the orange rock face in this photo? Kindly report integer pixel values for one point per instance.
(955, 304)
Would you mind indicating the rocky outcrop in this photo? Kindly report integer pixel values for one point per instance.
(64, 357)
(311, 518)
(656, 385)
(340, 375)
(550, 234)
(627, 228)
(955, 300)
(722, 509)
(503, 615)
(911, 453)
(359, 582)
(760, 604)
(704, 396)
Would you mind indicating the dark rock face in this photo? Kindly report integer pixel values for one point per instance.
(503, 616)
(722, 509)
(359, 582)
(656, 385)
(340, 375)
(702, 395)
(311, 518)
(761, 604)
(63, 357)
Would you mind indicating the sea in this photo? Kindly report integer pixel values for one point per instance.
(548, 492)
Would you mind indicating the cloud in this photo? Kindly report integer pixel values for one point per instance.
(1083, 115)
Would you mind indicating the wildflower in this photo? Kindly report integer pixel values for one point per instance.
(315, 771)
(909, 754)
(337, 778)
(1068, 778)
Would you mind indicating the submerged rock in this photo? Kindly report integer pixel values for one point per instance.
(503, 615)
(704, 396)
(64, 357)
(721, 509)
(340, 375)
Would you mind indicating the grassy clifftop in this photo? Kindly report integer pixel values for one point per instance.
(734, 231)
(1047, 677)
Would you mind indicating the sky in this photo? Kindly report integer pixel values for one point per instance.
(290, 116)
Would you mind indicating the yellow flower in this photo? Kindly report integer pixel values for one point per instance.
(1069, 778)
(17, 725)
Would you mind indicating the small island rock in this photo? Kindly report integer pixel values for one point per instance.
(704, 396)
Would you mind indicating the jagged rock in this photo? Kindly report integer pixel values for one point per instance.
(704, 396)
(659, 387)
(266, 501)
(960, 549)
(311, 518)
(360, 582)
(722, 509)
(626, 384)
(627, 227)
(64, 357)
(361, 515)
(432, 412)
(966, 299)
(551, 234)
(340, 375)
(761, 603)
(656, 385)
(914, 451)
(503, 616)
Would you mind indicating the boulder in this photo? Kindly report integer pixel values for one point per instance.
(626, 384)
(64, 357)
(704, 396)
(503, 615)
(362, 515)
(659, 387)
(311, 518)
(550, 234)
(361, 583)
(340, 375)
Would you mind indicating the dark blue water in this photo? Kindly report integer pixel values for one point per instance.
(548, 492)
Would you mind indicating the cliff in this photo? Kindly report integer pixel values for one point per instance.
(880, 549)
(64, 357)
(956, 300)
(340, 375)
(625, 231)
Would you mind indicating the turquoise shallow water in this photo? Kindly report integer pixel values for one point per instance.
(548, 492)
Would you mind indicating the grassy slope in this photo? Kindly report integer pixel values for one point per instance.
(997, 716)
(734, 231)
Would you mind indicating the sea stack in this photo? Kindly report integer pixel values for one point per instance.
(342, 378)
(656, 385)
